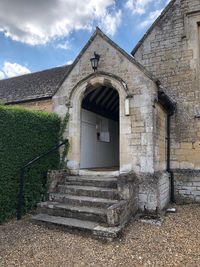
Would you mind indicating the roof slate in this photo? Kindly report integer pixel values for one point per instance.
(33, 86)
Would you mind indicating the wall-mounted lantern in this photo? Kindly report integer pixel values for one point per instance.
(95, 61)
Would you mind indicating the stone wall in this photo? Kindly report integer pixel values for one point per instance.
(171, 51)
(154, 191)
(44, 105)
(164, 190)
(187, 186)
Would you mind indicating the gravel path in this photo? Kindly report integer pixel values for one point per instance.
(175, 243)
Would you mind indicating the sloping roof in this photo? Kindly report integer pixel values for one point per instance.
(171, 3)
(122, 51)
(33, 86)
(44, 84)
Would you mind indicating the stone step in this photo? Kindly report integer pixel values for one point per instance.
(70, 211)
(97, 181)
(81, 200)
(90, 191)
(95, 228)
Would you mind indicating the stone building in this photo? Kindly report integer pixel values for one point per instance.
(170, 50)
(134, 128)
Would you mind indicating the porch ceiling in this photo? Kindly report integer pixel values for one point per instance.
(104, 101)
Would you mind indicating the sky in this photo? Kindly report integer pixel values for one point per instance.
(42, 34)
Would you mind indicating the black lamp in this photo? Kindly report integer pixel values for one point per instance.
(94, 61)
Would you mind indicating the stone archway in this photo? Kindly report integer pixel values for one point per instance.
(95, 81)
(100, 129)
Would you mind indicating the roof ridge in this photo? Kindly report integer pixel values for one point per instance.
(165, 10)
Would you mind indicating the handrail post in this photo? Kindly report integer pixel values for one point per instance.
(20, 195)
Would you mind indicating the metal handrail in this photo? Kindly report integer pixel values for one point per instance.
(22, 174)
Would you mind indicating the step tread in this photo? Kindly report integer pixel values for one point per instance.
(52, 205)
(92, 178)
(76, 223)
(85, 198)
(89, 188)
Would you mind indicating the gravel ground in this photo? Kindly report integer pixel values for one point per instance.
(175, 243)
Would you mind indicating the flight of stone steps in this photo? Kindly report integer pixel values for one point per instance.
(86, 203)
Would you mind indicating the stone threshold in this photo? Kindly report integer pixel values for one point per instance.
(105, 173)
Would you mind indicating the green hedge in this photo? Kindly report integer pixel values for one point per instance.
(25, 134)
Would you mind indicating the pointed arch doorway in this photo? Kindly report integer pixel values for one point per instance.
(100, 128)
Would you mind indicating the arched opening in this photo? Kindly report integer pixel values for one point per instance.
(100, 128)
(80, 92)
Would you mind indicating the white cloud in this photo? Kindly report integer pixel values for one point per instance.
(2, 75)
(151, 18)
(141, 6)
(137, 6)
(110, 23)
(13, 69)
(37, 22)
(64, 46)
(69, 62)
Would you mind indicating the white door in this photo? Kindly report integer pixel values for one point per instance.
(88, 145)
(99, 141)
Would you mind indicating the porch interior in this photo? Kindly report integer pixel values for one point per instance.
(100, 130)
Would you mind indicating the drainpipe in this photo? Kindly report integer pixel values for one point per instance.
(172, 195)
